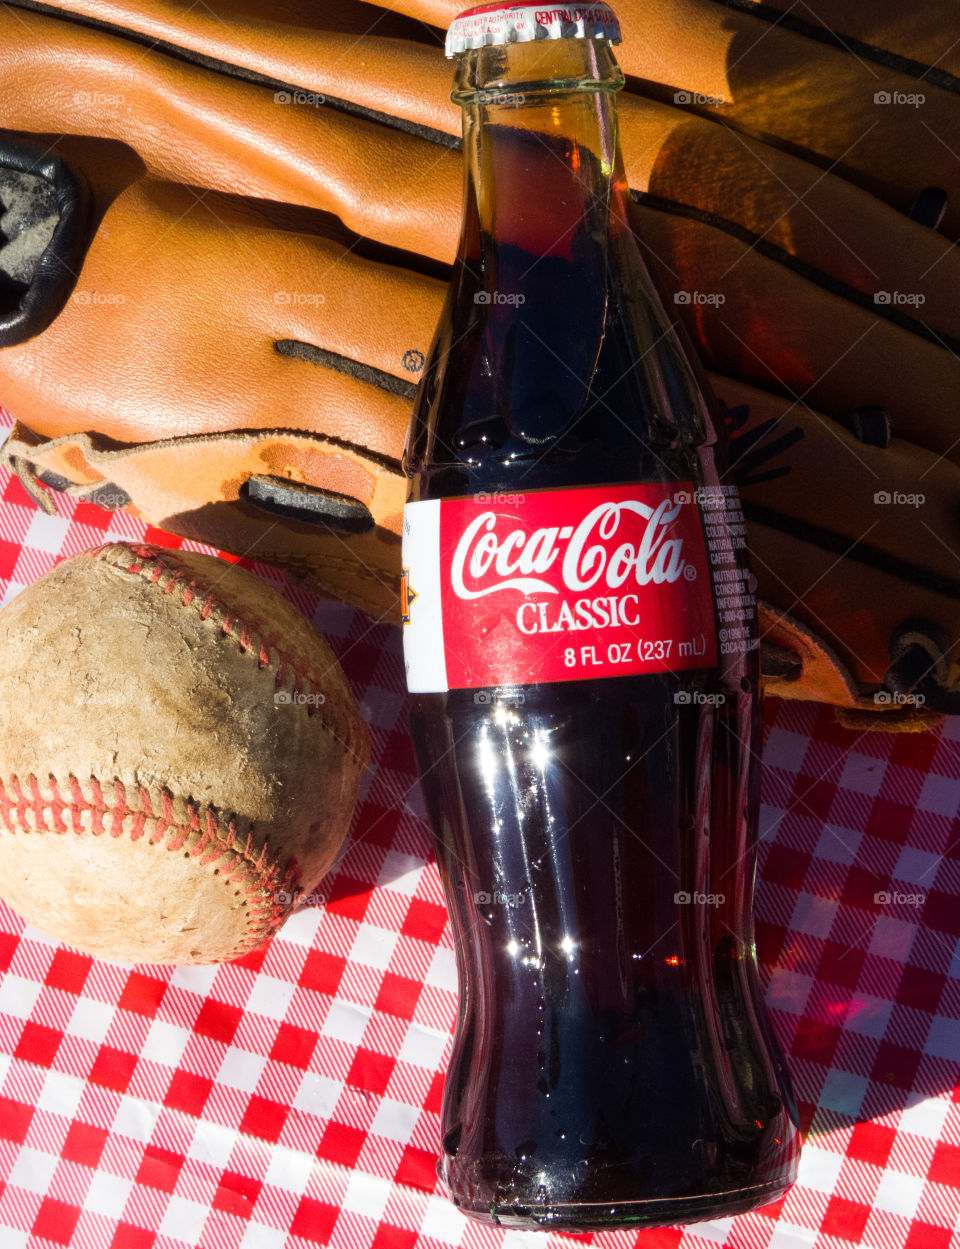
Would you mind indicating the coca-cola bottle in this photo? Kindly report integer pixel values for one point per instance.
(581, 652)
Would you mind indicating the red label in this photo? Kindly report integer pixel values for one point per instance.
(556, 586)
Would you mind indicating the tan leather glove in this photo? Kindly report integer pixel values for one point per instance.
(197, 378)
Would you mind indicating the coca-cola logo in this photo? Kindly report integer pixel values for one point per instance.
(492, 556)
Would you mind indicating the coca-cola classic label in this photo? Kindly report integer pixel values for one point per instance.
(555, 585)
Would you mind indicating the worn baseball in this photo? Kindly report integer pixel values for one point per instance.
(180, 756)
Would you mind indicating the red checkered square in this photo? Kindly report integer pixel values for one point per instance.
(928, 1236)
(38, 1044)
(14, 1120)
(841, 965)
(314, 1220)
(160, 537)
(815, 1041)
(8, 947)
(188, 1092)
(56, 1221)
(871, 1142)
(14, 493)
(390, 1237)
(254, 960)
(425, 921)
(785, 866)
(889, 819)
(128, 1236)
(294, 1045)
(434, 1096)
(895, 1065)
(348, 897)
(160, 1168)
(264, 1118)
(236, 1194)
(68, 971)
(941, 912)
(142, 994)
(845, 1219)
(218, 1020)
(418, 1168)
(322, 972)
(9, 554)
(370, 1070)
(113, 1068)
(398, 995)
(341, 1143)
(814, 797)
(92, 515)
(84, 1143)
(945, 1166)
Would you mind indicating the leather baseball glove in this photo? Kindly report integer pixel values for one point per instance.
(228, 238)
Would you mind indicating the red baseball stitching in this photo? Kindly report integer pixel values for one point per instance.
(206, 835)
(151, 563)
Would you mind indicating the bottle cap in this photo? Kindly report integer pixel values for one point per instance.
(491, 24)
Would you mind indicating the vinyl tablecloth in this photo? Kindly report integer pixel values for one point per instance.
(291, 1099)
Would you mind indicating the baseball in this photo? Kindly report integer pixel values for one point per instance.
(180, 756)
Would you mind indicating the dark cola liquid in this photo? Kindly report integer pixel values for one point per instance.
(613, 1064)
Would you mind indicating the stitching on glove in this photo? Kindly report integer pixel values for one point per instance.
(844, 43)
(179, 53)
(346, 364)
(862, 552)
(207, 835)
(803, 268)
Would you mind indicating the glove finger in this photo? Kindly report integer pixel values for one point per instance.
(379, 62)
(193, 126)
(175, 324)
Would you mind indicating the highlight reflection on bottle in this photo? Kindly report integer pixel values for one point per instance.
(580, 642)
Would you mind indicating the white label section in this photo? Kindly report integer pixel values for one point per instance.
(423, 649)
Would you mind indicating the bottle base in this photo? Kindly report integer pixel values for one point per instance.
(607, 1216)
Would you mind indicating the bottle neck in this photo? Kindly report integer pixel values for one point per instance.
(542, 162)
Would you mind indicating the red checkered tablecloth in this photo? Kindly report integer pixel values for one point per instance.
(291, 1098)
